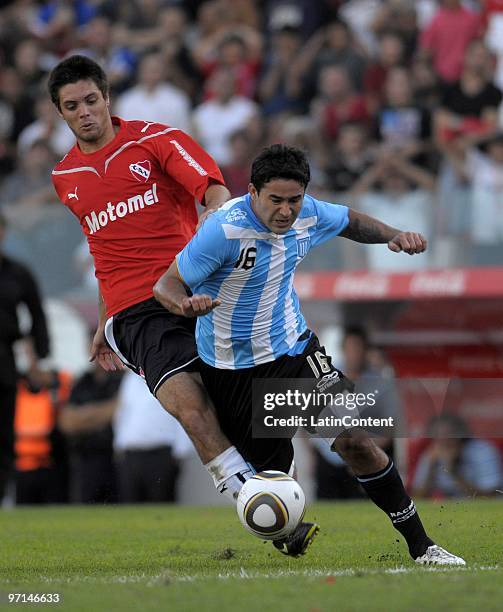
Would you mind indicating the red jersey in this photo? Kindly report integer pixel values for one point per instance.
(135, 200)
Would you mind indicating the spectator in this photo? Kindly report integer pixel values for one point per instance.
(86, 422)
(399, 193)
(237, 172)
(492, 17)
(455, 465)
(331, 45)
(401, 125)
(275, 91)
(18, 111)
(153, 99)
(149, 444)
(30, 185)
(234, 54)
(304, 15)
(111, 49)
(17, 286)
(469, 113)
(482, 166)
(56, 22)
(41, 467)
(181, 70)
(349, 158)
(399, 18)
(425, 84)
(226, 39)
(47, 126)
(28, 65)
(334, 479)
(447, 37)
(216, 119)
(469, 106)
(337, 103)
(390, 55)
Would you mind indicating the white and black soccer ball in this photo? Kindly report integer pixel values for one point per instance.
(270, 505)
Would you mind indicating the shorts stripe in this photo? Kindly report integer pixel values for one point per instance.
(109, 335)
(167, 374)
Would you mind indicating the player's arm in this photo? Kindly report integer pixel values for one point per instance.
(366, 229)
(194, 169)
(171, 291)
(214, 197)
(100, 350)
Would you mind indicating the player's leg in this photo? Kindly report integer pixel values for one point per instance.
(184, 397)
(161, 347)
(374, 469)
(379, 477)
(232, 389)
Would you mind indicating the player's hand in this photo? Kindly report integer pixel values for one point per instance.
(198, 305)
(103, 354)
(408, 242)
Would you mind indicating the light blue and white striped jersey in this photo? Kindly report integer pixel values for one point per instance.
(237, 259)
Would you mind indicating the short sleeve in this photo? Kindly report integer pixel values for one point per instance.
(332, 220)
(204, 254)
(187, 162)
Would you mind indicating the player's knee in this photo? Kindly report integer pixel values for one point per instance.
(353, 448)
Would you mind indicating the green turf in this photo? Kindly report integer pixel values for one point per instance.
(178, 558)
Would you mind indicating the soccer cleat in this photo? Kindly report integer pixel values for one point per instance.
(298, 542)
(436, 555)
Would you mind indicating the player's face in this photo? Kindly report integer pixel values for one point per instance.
(85, 110)
(278, 203)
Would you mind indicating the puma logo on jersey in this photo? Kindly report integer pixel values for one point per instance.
(146, 126)
(73, 195)
(95, 221)
(140, 170)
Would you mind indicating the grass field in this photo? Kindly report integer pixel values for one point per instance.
(180, 558)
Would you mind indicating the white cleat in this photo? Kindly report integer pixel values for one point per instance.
(436, 555)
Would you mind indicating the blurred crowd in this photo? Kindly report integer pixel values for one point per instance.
(397, 102)
(102, 438)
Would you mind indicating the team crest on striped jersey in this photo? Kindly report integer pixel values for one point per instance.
(140, 170)
(303, 246)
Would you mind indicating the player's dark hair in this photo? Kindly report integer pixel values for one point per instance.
(280, 161)
(76, 68)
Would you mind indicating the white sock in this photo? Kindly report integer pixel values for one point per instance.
(229, 472)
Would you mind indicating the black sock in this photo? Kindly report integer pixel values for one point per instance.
(385, 488)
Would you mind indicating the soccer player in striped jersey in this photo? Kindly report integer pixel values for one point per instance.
(240, 267)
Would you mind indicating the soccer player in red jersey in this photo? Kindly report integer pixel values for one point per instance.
(133, 186)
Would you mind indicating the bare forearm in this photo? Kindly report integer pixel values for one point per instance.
(102, 311)
(170, 291)
(215, 196)
(368, 230)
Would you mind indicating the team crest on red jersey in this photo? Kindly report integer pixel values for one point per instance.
(140, 170)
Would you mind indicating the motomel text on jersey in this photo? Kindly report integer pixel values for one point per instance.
(96, 221)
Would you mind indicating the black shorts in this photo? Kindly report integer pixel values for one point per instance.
(231, 392)
(153, 342)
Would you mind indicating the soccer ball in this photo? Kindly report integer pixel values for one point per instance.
(270, 505)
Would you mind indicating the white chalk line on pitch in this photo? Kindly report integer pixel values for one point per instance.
(243, 574)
